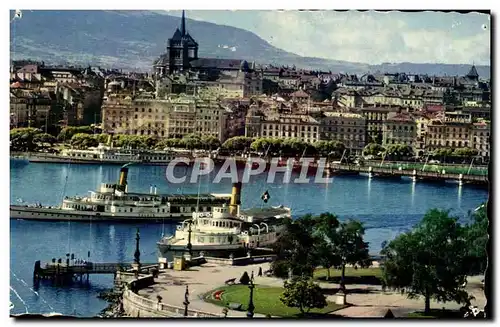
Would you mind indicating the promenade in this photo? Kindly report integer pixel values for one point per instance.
(364, 300)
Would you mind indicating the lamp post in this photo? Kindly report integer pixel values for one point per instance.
(137, 254)
(186, 301)
(189, 245)
(251, 307)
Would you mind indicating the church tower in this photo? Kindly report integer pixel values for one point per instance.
(181, 49)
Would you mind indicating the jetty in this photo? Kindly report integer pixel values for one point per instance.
(69, 271)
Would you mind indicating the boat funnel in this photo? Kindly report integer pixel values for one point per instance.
(123, 178)
(235, 199)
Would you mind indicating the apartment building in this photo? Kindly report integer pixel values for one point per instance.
(375, 117)
(400, 128)
(170, 118)
(345, 127)
(480, 138)
(447, 133)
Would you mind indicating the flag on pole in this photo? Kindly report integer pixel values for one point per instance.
(265, 197)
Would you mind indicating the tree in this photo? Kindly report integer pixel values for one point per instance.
(442, 153)
(83, 141)
(237, 143)
(293, 146)
(135, 141)
(44, 138)
(465, 152)
(429, 260)
(210, 142)
(330, 148)
(373, 149)
(295, 249)
(399, 151)
(304, 294)
(170, 143)
(267, 144)
(23, 139)
(349, 246)
(101, 138)
(245, 279)
(67, 132)
(477, 240)
(326, 231)
(192, 142)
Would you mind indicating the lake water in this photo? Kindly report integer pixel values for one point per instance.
(386, 207)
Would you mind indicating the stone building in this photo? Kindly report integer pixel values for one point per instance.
(276, 125)
(480, 138)
(450, 132)
(181, 50)
(169, 118)
(345, 127)
(30, 108)
(181, 56)
(375, 117)
(399, 128)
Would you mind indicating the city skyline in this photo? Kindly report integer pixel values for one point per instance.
(393, 36)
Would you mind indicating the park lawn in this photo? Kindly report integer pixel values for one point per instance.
(266, 300)
(435, 314)
(321, 273)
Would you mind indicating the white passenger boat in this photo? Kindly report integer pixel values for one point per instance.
(113, 202)
(106, 154)
(226, 229)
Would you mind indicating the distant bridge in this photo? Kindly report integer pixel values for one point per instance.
(416, 174)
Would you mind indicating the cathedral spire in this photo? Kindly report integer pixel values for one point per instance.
(183, 24)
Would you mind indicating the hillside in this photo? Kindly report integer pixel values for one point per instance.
(133, 39)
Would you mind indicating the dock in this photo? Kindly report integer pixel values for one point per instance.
(65, 271)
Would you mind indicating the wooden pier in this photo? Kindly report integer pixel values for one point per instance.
(63, 271)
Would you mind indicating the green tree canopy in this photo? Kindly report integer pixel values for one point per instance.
(192, 141)
(44, 138)
(326, 233)
(170, 143)
(265, 144)
(430, 260)
(373, 149)
(330, 148)
(83, 141)
(210, 142)
(295, 249)
(399, 151)
(477, 240)
(67, 133)
(237, 143)
(465, 152)
(303, 293)
(349, 246)
(293, 146)
(135, 141)
(443, 152)
(22, 139)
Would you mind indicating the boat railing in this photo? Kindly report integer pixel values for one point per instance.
(145, 204)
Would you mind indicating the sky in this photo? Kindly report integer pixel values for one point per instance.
(367, 37)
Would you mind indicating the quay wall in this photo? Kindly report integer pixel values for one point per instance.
(136, 306)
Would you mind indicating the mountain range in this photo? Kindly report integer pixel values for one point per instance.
(132, 40)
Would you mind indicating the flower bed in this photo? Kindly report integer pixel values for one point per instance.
(217, 295)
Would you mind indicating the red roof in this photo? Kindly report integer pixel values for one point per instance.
(300, 94)
(434, 107)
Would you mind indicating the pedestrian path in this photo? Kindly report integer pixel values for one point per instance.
(364, 300)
